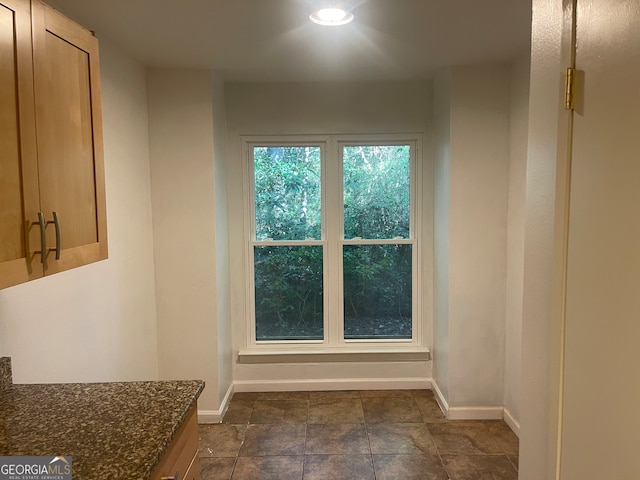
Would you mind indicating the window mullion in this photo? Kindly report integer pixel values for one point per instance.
(333, 211)
(416, 202)
(248, 186)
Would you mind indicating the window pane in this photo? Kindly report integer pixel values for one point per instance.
(377, 291)
(376, 191)
(288, 295)
(287, 192)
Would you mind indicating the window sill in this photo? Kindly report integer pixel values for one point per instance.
(412, 354)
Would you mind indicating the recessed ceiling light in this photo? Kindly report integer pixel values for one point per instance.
(331, 17)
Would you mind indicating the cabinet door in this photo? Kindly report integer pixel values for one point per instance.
(18, 164)
(69, 139)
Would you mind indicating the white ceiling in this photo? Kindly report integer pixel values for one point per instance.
(273, 40)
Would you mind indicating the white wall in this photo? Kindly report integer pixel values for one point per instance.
(518, 125)
(478, 213)
(442, 193)
(181, 139)
(97, 322)
(322, 108)
(262, 109)
(472, 107)
(225, 367)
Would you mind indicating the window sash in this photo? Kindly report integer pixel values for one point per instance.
(342, 145)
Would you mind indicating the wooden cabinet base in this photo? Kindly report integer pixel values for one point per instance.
(181, 461)
(193, 472)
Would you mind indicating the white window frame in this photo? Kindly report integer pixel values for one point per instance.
(332, 241)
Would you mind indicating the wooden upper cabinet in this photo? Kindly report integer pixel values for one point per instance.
(69, 139)
(19, 198)
(52, 130)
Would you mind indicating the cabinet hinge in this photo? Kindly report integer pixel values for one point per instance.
(569, 96)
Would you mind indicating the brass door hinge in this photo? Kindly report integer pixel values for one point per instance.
(569, 96)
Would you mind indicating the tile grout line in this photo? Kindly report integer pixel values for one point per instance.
(306, 434)
(244, 437)
(366, 429)
(426, 424)
(373, 464)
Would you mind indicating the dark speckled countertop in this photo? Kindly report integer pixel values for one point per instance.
(112, 430)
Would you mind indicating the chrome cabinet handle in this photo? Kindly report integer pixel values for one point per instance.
(175, 477)
(56, 223)
(43, 237)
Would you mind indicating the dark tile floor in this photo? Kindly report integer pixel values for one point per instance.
(385, 434)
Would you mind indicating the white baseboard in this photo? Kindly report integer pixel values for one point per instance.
(512, 422)
(442, 402)
(332, 384)
(209, 416)
(215, 416)
(475, 413)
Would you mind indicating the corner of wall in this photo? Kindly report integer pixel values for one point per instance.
(181, 139)
(441, 234)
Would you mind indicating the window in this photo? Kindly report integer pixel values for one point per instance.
(288, 251)
(333, 249)
(376, 217)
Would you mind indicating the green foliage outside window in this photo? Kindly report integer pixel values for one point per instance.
(376, 191)
(288, 292)
(377, 278)
(287, 192)
(377, 291)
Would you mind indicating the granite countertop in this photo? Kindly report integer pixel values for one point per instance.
(112, 430)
